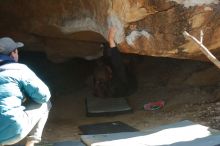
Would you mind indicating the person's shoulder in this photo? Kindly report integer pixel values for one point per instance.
(15, 66)
(26, 71)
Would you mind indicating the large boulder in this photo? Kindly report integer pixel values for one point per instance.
(65, 29)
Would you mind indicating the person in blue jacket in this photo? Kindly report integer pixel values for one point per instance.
(20, 119)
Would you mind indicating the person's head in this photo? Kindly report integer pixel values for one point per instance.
(9, 47)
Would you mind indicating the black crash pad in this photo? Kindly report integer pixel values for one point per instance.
(106, 127)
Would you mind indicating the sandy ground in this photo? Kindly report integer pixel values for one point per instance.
(190, 89)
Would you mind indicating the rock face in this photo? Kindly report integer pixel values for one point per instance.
(64, 29)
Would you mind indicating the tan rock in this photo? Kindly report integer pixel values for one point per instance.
(75, 28)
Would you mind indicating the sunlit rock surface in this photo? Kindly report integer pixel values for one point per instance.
(64, 29)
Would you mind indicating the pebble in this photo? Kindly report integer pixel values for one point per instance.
(218, 103)
(217, 118)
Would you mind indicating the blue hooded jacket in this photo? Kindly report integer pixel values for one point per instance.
(15, 80)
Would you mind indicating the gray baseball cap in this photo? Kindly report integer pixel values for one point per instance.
(7, 45)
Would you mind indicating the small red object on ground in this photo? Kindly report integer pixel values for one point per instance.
(154, 105)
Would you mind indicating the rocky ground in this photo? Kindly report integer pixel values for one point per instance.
(190, 89)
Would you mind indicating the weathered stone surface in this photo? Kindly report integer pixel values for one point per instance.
(75, 28)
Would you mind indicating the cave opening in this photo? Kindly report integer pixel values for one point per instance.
(62, 45)
(184, 85)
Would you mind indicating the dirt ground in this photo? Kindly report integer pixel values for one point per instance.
(190, 89)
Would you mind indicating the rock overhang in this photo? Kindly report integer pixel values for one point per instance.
(65, 28)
